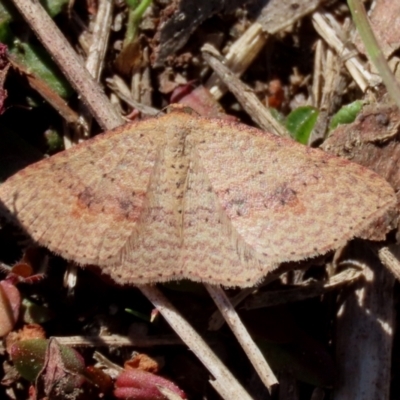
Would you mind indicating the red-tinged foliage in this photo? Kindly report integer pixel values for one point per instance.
(4, 67)
(142, 385)
(200, 100)
(10, 302)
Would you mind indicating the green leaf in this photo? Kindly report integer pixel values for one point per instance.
(300, 123)
(277, 115)
(38, 62)
(346, 115)
(33, 57)
(54, 7)
(138, 314)
(131, 49)
(132, 3)
(135, 16)
(8, 13)
(6, 16)
(54, 141)
(29, 356)
(33, 313)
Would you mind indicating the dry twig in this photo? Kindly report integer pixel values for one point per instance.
(69, 63)
(225, 384)
(246, 97)
(250, 348)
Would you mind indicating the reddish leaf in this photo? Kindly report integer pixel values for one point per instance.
(142, 385)
(10, 302)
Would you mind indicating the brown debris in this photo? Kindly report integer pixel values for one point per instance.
(372, 141)
(385, 22)
(177, 24)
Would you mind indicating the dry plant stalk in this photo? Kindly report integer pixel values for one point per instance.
(231, 317)
(69, 63)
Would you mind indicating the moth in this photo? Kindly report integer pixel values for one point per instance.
(182, 196)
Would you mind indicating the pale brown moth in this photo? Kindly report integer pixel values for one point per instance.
(181, 196)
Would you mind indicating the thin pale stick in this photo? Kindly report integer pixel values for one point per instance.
(69, 63)
(242, 335)
(216, 320)
(101, 31)
(362, 77)
(105, 362)
(55, 100)
(225, 383)
(119, 341)
(390, 259)
(119, 87)
(94, 64)
(373, 49)
(240, 56)
(246, 97)
(317, 75)
(169, 394)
